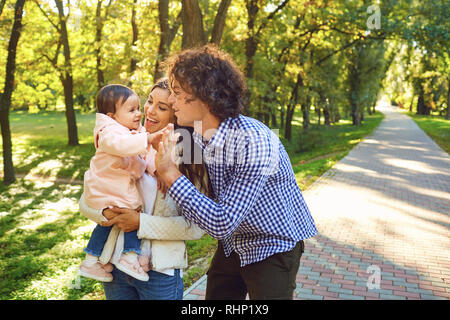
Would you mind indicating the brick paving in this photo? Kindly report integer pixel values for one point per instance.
(383, 214)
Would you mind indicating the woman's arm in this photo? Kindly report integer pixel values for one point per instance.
(168, 228)
(154, 227)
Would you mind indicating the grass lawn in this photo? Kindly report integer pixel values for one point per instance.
(42, 234)
(436, 127)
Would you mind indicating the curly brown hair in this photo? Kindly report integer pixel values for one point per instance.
(211, 76)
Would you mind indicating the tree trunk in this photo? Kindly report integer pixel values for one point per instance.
(8, 166)
(421, 103)
(219, 22)
(356, 119)
(273, 119)
(134, 28)
(288, 125)
(5, 99)
(291, 108)
(98, 39)
(305, 111)
(166, 36)
(326, 115)
(354, 110)
(266, 117)
(70, 112)
(447, 114)
(163, 50)
(319, 114)
(193, 32)
(66, 78)
(251, 43)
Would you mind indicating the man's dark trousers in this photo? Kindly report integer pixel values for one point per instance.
(271, 278)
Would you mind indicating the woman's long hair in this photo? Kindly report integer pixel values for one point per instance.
(192, 168)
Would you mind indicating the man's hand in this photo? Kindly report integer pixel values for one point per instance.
(161, 185)
(167, 170)
(126, 219)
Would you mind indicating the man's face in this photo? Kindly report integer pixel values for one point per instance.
(187, 108)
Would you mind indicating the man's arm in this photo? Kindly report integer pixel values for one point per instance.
(221, 219)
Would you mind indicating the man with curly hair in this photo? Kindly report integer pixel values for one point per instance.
(257, 211)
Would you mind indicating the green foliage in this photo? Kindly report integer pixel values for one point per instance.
(309, 140)
(319, 39)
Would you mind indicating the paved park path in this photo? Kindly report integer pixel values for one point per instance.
(383, 214)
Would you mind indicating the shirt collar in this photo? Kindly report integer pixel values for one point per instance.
(217, 140)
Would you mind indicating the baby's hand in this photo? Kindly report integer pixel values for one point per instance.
(155, 138)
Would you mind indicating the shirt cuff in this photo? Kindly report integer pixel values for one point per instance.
(180, 190)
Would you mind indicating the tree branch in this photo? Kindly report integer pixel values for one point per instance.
(336, 51)
(2, 5)
(219, 21)
(46, 15)
(270, 16)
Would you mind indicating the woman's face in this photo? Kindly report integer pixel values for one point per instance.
(158, 112)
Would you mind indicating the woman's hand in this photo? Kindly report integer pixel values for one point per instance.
(108, 213)
(126, 219)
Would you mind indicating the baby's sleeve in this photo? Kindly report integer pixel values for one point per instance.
(123, 144)
(136, 166)
(150, 161)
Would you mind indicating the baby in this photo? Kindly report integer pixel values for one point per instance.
(122, 156)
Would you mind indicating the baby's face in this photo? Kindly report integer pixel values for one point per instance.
(128, 113)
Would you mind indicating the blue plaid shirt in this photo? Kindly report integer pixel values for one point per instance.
(258, 209)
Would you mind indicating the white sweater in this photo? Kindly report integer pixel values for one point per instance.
(164, 231)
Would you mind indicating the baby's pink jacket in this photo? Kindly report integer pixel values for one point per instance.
(110, 180)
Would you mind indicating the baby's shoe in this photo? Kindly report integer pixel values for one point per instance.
(96, 271)
(129, 264)
(107, 267)
(144, 261)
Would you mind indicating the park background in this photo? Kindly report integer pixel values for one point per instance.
(315, 71)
